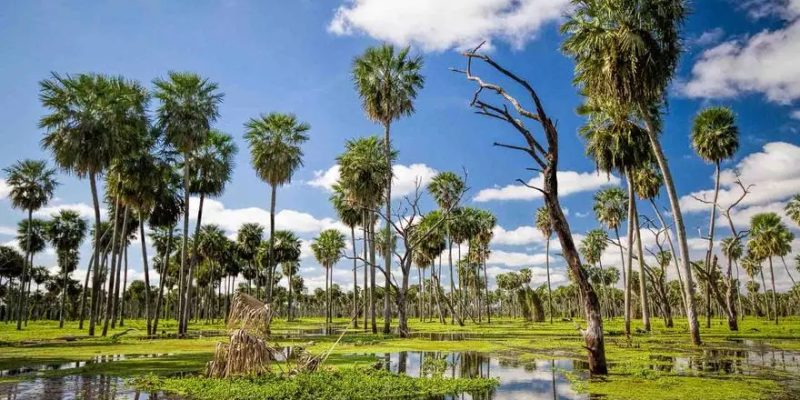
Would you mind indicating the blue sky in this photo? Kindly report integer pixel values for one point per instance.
(295, 56)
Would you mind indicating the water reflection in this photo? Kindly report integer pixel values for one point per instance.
(31, 368)
(723, 361)
(77, 387)
(533, 380)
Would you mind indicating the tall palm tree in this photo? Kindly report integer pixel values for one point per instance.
(275, 141)
(286, 248)
(66, 233)
(769, 237)
(363, 174)
(164, 217)
(387, 83)
(616, 142)
(32, 184)
(592, 247)
(328, 248)
(545, 225)
(212, 167)
(446, 188)
(715, 138)
(610, 207)
(486, 222)
(793, 209)
(626, 52)
(248, 239)
(31, 236)
(350, 215)
(92, 119)
(733, 250)
(189, 105)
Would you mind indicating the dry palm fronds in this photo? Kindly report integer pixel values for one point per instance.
(244, 355)
(250, 314)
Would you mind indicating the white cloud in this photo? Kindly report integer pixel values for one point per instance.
(404, 181)
(445, 24)
(230, 219)
(709, 37)
(85, 210)
(774, 173)
(569, 182)
(762, 63)
(8, 230)
(522, 235)
(795, 114)
(516, 259)
(4, 189)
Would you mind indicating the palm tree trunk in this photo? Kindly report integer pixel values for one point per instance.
(270, 261)
(450, 264)
(774, 293)
(193, 261)
(327, 301)
(26, 267)
(642, 277)
(387, 311)
(367, 292)
(63, 297)
(694, 328)
(123, 251)
(83, 291)
(488, 302)
(124, 288)
(161, 279)
(185, 245)
(115, 250)
(289, 302)
(143, 239)
(711, 224)
(355, 277)
(786, 267)
(549, 287)
(96, 276)
(372, 310)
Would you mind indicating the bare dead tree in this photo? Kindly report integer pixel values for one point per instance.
(544, 154)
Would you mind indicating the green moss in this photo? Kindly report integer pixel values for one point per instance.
(327, 384)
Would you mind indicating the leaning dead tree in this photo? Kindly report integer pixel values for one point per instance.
(543, 151)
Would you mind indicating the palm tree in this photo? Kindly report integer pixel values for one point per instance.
(610, 207)
(485, 222)
(733, 250)
(446, 188)
(715, 138)
(189, 105)
(328, 248)
(545, 225)
(249, 239)
(66, 233)
(793, 209)
(363, 175)
(769, 237)
(286, 248)
(31, 236)
(387, 84)
(164, 217)
(350, 215)
(92, 119)
(616, 142)
(592, 248)
(626, 53)
(32, 184)
(275, 154)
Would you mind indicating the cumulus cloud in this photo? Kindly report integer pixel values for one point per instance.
(445, 24)
(523, 235)
(404, 181)
(230, 219)
(774, 173)
(8, 230)
(516, 259)
(709, 37)
(763, 63)
(85, 210)
(4, 189)
(569, 182)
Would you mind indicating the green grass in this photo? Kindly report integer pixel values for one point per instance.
(633, 363)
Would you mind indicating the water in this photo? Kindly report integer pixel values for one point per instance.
(536, 380)
(77, 388)
(723, 361)
(33, 368)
